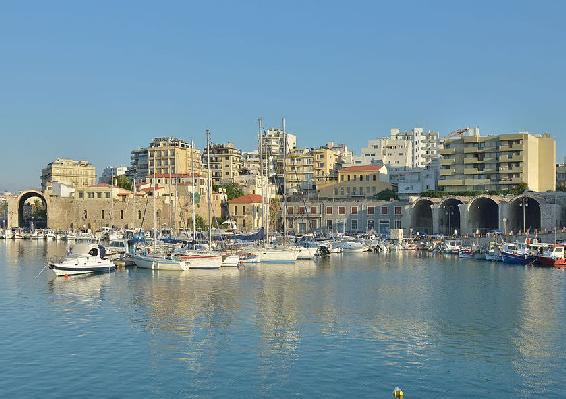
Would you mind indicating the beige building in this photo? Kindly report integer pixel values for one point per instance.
(356, 181)
(299, 170)
(170, 155)
(225, 162)
(498, 163)
(246, 212)
(67, 171)
(561, 177)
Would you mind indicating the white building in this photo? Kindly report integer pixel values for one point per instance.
(413, 181)
(112, 171)
(410, 149)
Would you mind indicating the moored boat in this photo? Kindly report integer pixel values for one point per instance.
(83, 259)
(553, 257)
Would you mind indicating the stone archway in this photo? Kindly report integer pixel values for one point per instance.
(449, 216)
(483, 215)
(523, 214)
(24, 220)
(421, 218)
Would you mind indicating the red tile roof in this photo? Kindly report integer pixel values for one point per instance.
(361, 168)
(247, 199)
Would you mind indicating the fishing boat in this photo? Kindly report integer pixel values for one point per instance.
(83, 259)
(492, 253)
(516, 254)
(466, 253)
(353, 247)
(230, 260)
(553, 257)
(452, 246)
(273, 255)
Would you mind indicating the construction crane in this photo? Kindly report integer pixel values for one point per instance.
(458, 132)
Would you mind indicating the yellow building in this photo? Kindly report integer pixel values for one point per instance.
(225, 162)
(356, 181)
(299, 170)
(67, 171)
(498, 163)
(246, 212)
(172, 156)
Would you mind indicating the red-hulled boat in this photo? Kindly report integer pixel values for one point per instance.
(553, 257)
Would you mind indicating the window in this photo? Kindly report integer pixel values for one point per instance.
(121, 214)
(348, 177)
(102, 212)
(371, 224)
(235, 210)
(384, 227)
(354, 224)
(329, 224)
(329, 210)
(374, 177)
(90, 195)
(139, 215)
(244, 222)
(354, 210)
(290, 210)
(397, 210)
(384, 210)
(397, 224)
(107, 195)
(341, 210)
(243, 209)
(361, 177)
(99, 195)
(313, 210)
(81, 194)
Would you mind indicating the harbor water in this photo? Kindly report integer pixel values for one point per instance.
(349, 326)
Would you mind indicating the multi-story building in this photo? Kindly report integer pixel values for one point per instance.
(345, 216)
(225, 162)
(246, 211)
(299, 170)
(561, 177)
(413, 181)
(112, 171)
(73, 173)
(410, 149)
(328, 159)
(250, 163)
(356, 182)
(256, 184)
(471, 162)
(169, 155)
(273, 145)
(139, 165)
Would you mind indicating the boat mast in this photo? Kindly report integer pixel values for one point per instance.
(209, 194)
(169, 182)
(112, 198)
(260, 138)
(154, 205)
(284, 182)
(193, 191)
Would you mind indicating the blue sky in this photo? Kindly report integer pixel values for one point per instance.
(93, 80)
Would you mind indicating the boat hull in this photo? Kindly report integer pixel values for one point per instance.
(157, 263)
(515, 259)
(65, 270)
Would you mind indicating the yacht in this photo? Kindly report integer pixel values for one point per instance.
(156, 262)
(83, 259)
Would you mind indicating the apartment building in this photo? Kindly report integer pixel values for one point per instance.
(273, 145)
(414, 148)
(498, 162)
(250, 163)
(356, 181)
(299, 170)
(413, 181)
(67, 171)
(139, 165)
(172, 155)
(112, 171)
(561, 177)
(225, 162)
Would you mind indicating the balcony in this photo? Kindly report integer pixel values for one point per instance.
(447, 161)
(451, 182)
(471, 171)
(477, 182)
(447, 151)
(515, 180)
(447, 172)
(514, 147)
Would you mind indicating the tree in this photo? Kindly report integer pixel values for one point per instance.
(233, 190)
(124, 182)
(200, 223)
(275, 214)
(386, 195)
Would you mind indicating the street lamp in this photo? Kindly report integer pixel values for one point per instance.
(524, 205)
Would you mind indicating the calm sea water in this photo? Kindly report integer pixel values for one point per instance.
(353, 326)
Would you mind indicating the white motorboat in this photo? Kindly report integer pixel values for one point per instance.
(272, 255)
(353, 247)
(306, 253)
(116, 249)
(83, 259)
(202, 260)
(230, 260)
(156, 262)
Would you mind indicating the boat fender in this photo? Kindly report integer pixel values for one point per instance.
(398, 393)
